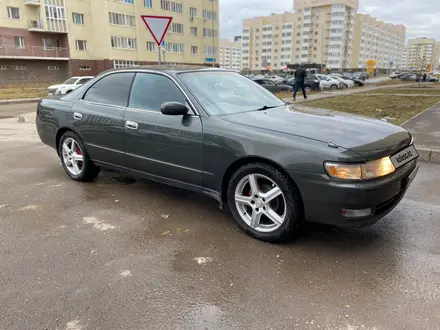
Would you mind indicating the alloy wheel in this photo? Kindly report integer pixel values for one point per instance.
(260, 203)
(73, 156)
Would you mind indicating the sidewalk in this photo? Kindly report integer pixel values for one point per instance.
(425, 128)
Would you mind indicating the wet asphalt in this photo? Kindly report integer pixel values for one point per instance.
(124, 253)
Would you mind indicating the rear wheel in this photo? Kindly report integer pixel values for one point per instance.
(264, 202)
(75, 159)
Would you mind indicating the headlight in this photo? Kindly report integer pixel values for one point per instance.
(58, 91)
(367, 171)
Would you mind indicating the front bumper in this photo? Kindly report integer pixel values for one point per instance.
(324, 197)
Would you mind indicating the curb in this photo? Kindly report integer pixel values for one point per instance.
(20, 101)
(429, 154)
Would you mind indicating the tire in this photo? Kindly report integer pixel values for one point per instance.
(333, 87)
(84, 170)
(287, 206)
(345, 86)
(308, 89)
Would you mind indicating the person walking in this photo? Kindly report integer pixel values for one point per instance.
(300, 76)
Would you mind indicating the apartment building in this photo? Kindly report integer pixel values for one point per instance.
(379, 41)
(230, 54)
(422, 51)
(47, 40)
(267, 42)
(324, 32)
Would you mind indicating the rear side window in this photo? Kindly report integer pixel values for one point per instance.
(112, 89)
(150, 91)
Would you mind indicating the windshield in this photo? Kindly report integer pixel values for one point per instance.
(70, 81)
(224, 93)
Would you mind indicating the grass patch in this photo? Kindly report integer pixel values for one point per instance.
(21, 93)
(424, 91)
(390, 83)
(401, 108)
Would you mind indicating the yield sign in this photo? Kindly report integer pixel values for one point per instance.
(158, 26)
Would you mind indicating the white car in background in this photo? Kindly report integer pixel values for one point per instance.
(326, 82)
(275, 79)
(348, 83)
(68, 86)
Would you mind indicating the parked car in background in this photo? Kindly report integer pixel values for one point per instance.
(431, 79)
(272, 87)
(275, 79)
(274, 168)
(347, 82)
(395, 75)
(326, 82)
(361, 75)
(68, 86)
(409, 77)
(311, 83)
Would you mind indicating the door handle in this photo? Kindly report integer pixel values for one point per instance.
(131, 124)
(77, 116)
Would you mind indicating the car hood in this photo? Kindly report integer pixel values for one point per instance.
(367, 137)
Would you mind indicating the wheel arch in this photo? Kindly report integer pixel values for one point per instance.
(248, 160)
(60, 133)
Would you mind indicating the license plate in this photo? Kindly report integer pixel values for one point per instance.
(404, 157)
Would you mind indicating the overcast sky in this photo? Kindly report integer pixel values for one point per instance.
(421, 17)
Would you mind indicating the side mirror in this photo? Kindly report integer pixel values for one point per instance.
(173, 109)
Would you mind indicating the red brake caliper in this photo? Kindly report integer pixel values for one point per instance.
(78, 151)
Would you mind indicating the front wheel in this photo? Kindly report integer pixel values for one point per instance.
(333, 87)
(264, 202)
(75, 159)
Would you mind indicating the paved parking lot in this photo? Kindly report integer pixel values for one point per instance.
(123, 253)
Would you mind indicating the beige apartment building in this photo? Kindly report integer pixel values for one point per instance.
(378, 41)
(422, 50)
(47, 40)
(328, 32)
(267, 42)
(230, 54)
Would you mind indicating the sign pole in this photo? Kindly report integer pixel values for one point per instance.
(159, 56)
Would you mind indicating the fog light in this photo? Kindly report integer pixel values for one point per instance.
(356, 213)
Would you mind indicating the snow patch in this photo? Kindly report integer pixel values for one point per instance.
(98, 224)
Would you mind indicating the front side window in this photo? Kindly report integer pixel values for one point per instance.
(112, 89)
(223, 93)
(150, 91)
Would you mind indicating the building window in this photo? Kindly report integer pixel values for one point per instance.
(172, 6)
(194, 50)
(124, 64)
(193, 31)
(81, 44)
(121, 19)
(19, 42)
(13, 13)
(3, 67)
(148, 3)
(78, 18)
(177, 28)
(47, 44)
(20, 67)
(209, 33)
(53, 68)
(151, 46)
(85, 68)
(123, 42)
(192, 11)
(211, 15)
(131, 2)
(210, 50)
(174, 47)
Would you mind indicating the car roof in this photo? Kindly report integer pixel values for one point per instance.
(171, 68)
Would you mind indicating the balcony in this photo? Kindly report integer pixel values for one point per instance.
(53, 26)
(34, 53)
(34, 3)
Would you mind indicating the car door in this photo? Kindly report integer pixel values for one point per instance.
(162, 146)
(98, 116)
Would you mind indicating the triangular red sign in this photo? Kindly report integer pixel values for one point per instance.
(157, 25)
